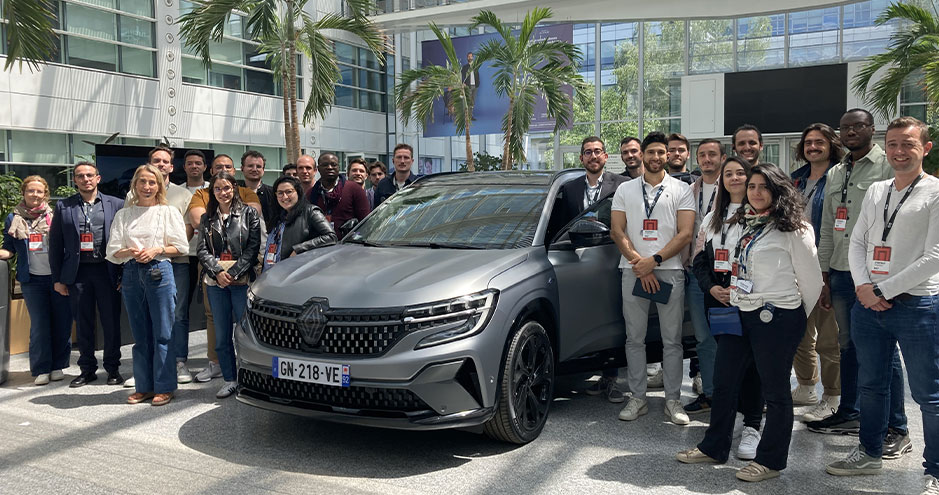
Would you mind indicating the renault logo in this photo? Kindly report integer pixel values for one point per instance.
(313, 320)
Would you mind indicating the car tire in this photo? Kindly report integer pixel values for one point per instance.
(526, 386)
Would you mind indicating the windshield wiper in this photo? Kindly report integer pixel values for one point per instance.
(437, 245)
(364, 243)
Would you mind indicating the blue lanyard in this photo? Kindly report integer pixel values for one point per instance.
(753, 237)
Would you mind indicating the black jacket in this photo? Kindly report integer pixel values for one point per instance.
(703, 268)
(243, 232)
(387, 187)
(572, 202)
(309, 230)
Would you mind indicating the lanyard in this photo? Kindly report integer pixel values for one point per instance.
(701, 199)
(811, 194)
(888, 224)
(849, 167)
(752, 236)
(724, 230)
(645, 198)
(590, 201)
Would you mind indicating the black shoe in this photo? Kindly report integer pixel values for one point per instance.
(115, 378)
(896, 443)
(835, 425)
(700, 405)
(83, 379)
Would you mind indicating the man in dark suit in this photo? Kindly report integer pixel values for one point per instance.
(470, 78)
(78, 237)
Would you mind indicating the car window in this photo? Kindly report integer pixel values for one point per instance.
(598, 212)
(484, 216)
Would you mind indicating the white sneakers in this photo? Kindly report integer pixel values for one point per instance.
(749, 440)
(129, 383)
(697, 385)
(634, 408)
(227, 389)
(825, 408)
(182, 373)
(804, 395)
(657, 380)
(932, 486)
(213, 370)
(56, 375)
(676, 412)
(41, 379)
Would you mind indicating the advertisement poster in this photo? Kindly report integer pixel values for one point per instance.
(489, 108)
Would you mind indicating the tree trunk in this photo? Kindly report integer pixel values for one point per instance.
(292, 77)
(468, 115)
(292, 149)
(506, 150)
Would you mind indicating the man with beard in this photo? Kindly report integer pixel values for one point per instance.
(252, 168)
(194, 164)
(631, 155)
(339, 198)
(747, 143)
(865, 164)
(679, 150)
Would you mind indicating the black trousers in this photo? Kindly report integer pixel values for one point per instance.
(93, 289)
(771, 347)
(750, 401)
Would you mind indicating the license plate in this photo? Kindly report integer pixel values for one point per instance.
(336, 375)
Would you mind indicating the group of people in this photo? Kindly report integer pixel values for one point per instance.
(837, 264)
(160, 245)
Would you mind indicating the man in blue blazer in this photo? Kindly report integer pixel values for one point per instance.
(78, 238)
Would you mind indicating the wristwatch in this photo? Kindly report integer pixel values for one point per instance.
(658, 259)
(877, 291)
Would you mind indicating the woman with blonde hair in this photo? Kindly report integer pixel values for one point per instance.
(26, 234)
(144, 234)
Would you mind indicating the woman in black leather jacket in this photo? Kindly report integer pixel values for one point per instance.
(300, 226)
(229, 243)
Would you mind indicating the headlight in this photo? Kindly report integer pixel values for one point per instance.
(452, 319)
(251, 298)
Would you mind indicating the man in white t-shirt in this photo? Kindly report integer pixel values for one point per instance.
(894, 262)
(652, 222)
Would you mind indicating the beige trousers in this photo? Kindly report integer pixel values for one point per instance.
(821, 339)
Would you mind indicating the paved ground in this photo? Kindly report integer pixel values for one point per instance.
(59, 440)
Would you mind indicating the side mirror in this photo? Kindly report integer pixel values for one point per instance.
(347, 227)
(588, 233)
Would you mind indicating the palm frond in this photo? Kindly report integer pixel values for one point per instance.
(362, 28)
(325, 74)
(206, 23)
(30, 35)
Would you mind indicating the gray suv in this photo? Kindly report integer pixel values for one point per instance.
(454, 304)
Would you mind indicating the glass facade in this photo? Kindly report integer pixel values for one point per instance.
(364, 83)
(111, 35)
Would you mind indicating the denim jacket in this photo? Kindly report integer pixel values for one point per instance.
(800, 178)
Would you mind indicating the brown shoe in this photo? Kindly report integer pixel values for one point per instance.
(695, 456)
(138, 397)
(162, 399)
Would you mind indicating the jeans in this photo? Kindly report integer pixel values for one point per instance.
(50, 325)
(150, 308)
(843, 300)
(707, 346)
(181, 315)
(228, 306)
(771, 347)
(911, 322)
(671, 316)
(93, 288)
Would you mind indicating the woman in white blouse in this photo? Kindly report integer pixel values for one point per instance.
(775, 283)
(144, 234)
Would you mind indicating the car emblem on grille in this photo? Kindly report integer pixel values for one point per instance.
(312, 321)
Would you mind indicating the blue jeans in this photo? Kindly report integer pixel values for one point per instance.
(843, 300)
(228, 306)
(911, 322)
(181, 316)
(150, 306)
(707, 346)
(50, 325)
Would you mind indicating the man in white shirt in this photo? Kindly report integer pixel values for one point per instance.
(894, 261)
(651, 222)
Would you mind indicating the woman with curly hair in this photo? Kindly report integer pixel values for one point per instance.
(775, 283)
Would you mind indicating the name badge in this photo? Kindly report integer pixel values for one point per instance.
(35, 243)
(226, 256)
(841, 219)
(271, 255)
(650, 229)
(722, 261)
(745, 286)
(881, 262)
(86, 242)
(733, 275)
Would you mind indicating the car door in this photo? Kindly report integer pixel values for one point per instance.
(589, 291)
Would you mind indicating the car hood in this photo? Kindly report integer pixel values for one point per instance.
(356, 276)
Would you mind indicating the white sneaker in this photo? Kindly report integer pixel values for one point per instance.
(129, 383)
(182, 373)
(932, 486)
(676, 412)
(749, 440)
(227, 389)
(56, 375)
(825, 408)
(697, 385)
(804, 395)
(634, 408)
(213, 370)
(657, 380)
(41, 379)
(653, 368)
(738, 425)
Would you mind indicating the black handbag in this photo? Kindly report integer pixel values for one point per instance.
(725, 321)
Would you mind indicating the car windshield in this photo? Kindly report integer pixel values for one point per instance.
(465, 216)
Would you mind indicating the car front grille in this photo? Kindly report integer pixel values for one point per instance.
(346, 334)
(314, 396)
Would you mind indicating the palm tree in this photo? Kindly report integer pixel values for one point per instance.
(434, 82)
(913, 48)
(284, 30)
(30, 37)
(526, 68)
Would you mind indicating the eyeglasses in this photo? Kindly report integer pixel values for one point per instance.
(85, 176)
(225, 190)
(284, 194)
(856, 127)
(592, 152)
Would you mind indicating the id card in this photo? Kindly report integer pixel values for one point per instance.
(86, 242)
(722, 260)
(733, 275)
(35, 243)
(650, 229)
(881, 262)
(271, 255)
(744, 285)
(841, 219)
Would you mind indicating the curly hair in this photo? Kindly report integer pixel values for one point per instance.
(788, 207)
